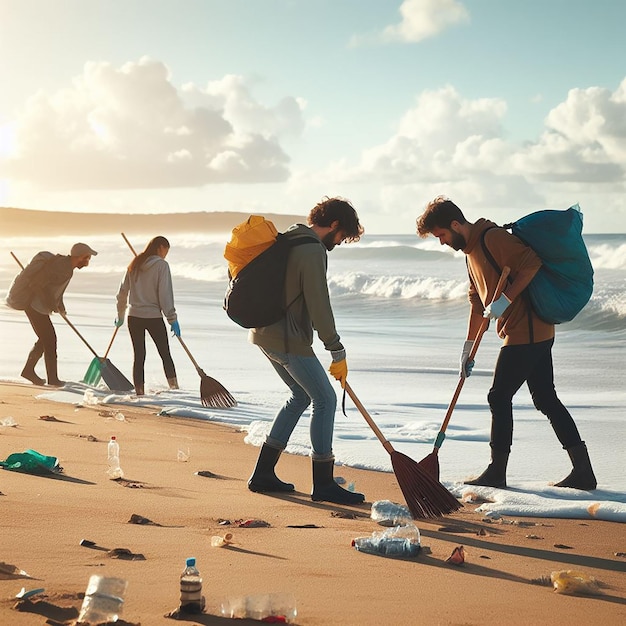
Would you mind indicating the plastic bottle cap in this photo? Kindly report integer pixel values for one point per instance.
(191, 562)
(113, 437)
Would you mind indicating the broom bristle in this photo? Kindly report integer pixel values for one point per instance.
(430, 464)
(425, 496)
(214, 394)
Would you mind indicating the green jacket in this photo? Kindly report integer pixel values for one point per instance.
(306, 286)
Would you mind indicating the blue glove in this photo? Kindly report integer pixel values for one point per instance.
(465, 366)
(497, 308)
(175, 326)
(119, 321)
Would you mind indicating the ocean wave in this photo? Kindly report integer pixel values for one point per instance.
(607, 256)
(401, 287)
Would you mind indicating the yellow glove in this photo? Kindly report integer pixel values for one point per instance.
(339, 367)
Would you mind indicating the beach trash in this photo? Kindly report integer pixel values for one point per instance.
(218, 541)
(267, 607)
(397, 541)
(104, 600)
(191, 599)
(113, 459)
(387, 513)
(31, 462)
(574, 583)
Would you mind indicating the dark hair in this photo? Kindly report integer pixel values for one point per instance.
(329, 210)
(439, 213)
(150, 250)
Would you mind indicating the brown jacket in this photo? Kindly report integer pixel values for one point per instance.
(519, 325)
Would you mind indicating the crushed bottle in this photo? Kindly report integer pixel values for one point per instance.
(398, 541)
(387, 513)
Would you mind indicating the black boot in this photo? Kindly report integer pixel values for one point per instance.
(325, 489)
(263, 478)
(582, 476)
(29, 369)
(495, 474)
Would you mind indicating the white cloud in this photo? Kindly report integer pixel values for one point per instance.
(450, 145)
(129, 127)
(422, 19)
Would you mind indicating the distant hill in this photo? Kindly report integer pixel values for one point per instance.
(32, 223)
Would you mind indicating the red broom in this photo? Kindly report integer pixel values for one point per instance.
(425, 496)
(430, 463)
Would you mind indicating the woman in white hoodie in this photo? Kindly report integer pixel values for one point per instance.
(147, 286)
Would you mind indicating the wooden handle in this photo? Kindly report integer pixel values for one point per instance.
(481, 331)
(368, 419)
(182, 343)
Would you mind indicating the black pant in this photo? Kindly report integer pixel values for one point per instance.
(530, 363)
(46, 343)
(137, 326)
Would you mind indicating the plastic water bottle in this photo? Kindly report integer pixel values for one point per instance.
(399, 541)
(104, 600)
(387, 513)
(113, 457)
(191, 599)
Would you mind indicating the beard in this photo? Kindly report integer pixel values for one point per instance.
(458, 241)
(329, 239)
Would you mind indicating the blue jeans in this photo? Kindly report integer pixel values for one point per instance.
(307, 379)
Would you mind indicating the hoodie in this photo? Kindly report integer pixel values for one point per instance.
(148, 290)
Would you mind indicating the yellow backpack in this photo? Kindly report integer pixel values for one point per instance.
(248, 240)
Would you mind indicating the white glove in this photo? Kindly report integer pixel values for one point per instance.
(497, 308)
(465, 366)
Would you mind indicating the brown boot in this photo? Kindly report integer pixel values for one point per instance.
(581, 476)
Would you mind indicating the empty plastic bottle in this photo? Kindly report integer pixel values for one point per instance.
(113, 458)
(191, 599)
(388, 513)
(399, 541)
(104, 600)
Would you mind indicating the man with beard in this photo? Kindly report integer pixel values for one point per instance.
(288, 346)
(38, 291)
(526, 355)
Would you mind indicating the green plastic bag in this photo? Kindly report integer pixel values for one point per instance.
(31, 462)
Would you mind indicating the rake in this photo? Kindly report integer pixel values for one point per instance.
(425, 496)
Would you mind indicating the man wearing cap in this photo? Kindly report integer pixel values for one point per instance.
(38, 291)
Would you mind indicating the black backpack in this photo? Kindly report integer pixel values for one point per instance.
(256, 296)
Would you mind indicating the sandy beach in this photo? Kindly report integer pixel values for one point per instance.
(306, 549)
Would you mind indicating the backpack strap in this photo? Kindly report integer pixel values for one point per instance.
(494, 264)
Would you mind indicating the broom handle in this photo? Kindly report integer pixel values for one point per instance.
(182, 343)
(368, 419)
(481, 331)
(65, 317)
(106, 354)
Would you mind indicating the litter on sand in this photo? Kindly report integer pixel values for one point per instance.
(574, 583)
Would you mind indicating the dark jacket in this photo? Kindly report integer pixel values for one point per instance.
(306, 285)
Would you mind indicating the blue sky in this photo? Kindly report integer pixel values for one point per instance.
(257, 105)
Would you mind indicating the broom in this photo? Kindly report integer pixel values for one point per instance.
(430, 463)
(425, 496)
(212, 392)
